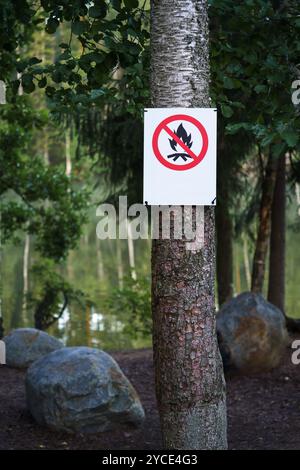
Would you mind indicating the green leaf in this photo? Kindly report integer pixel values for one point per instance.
(21, 66)
(116, 4)
(130, 4)
(229, 83)
(27, 83)
(43, 82)
(34, 61)
(64, 56)
(79, 27)
(291, 137)
(98, 11)
(52, 25)
(260, 89)
(226, 111)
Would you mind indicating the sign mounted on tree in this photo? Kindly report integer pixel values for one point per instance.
(180, 156)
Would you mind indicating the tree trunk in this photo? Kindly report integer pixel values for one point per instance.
(277, 241)
(68, 153)
(26, 274)
(264, 226)
(246, 261)
(224, 247)
(131, 251)
(120, 270)
(100, 267)
(238, 287)
(189, 376)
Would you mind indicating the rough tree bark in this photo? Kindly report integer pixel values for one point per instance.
(276, 289)
(264, 225)
(189, 375)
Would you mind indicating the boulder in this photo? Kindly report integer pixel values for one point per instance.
(80, 389)
(26, 345)
(252, 334)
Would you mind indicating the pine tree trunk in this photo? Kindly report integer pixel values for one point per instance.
(264, 226)
(189, 376)
(277, 241)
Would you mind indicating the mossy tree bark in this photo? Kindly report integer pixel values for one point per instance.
(189, 375)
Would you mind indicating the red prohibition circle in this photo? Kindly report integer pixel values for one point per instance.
(196, 159)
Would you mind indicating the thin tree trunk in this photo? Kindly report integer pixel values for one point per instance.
(297, 191)
(131, 251)
(25, 273)
(88, 312)
(68, 153)
(46, 150)
(276, 290)
(246, 262)
(120, 270)
(224, 247)
(100, 267)
(237, 276)
(264, 226)
(188, 370)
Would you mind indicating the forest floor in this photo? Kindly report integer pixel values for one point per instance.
(263, 411)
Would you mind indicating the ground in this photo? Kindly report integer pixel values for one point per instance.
(263, 411)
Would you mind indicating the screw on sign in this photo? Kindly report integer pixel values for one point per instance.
(181, 142)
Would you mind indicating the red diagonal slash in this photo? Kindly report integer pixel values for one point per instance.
(179, 141)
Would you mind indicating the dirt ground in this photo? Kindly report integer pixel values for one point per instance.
(263, 411)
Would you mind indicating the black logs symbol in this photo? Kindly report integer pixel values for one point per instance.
(181, 134)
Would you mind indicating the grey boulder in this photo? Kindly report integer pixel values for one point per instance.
(26, 345)
(80, 389)
(252, 334)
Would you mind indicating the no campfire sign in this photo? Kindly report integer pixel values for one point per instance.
(180, 156)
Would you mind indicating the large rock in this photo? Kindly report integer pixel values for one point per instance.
(26, 345)
(81, 389)
(252, 334)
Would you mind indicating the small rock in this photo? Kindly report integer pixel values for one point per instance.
(26, 345)
(82, 390)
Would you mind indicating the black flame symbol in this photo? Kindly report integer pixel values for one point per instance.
(186, 139)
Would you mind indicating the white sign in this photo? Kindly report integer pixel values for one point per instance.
(180, 156)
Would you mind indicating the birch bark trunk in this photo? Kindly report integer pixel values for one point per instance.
(189, 376)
